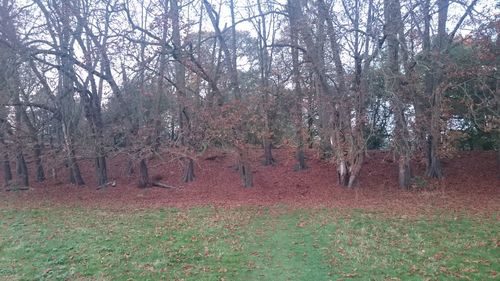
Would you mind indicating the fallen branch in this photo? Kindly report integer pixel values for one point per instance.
(112, 183)
(17, 188)
(162, 185)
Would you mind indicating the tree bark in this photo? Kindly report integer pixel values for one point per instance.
(75, 176)
(188, 170)
(144, 180)
(301, 160)
(22, 169)
(7, 171)
(101, 171)
(244, 168)
(129, 170)
(268, 155)
(40, 173)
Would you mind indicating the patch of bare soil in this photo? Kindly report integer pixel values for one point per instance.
(470, 184)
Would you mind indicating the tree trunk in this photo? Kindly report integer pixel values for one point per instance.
(498, 158)
(66, 100)
(420, 126)
(144, 180)
(325, 125)
(356, 168)
(37, 147)
(343, 173)
(92, 105)
(301, 159)
(130, 168)
(433, 164)
(361, 88)
(300, 154)
(497, 103)
(40, 173)
(22, 169)
(404, 175)
(310, 123)
(100, 159)
(402, 147)
(7, 171)
(324, 121)
(95, 119)
(244, 168)
(188, 170)
(75, 176)
(101, 171)
(268, 156)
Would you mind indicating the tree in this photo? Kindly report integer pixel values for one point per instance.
(293, 15)
(435, 77)
(9, 86)
(393, 24)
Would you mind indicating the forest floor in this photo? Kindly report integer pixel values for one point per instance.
(471, 184)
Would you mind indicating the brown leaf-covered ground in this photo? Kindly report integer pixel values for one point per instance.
(471, 184)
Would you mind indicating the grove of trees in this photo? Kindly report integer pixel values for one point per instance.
(86, 79)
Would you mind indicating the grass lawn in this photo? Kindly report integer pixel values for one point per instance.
(244, 244)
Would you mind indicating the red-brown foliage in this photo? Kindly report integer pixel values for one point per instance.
(471, 184)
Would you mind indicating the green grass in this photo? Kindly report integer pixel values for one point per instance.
(244, 244)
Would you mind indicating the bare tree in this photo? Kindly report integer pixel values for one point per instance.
(229, 51)
(293, 15)
(183, 99)
(393, 23)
